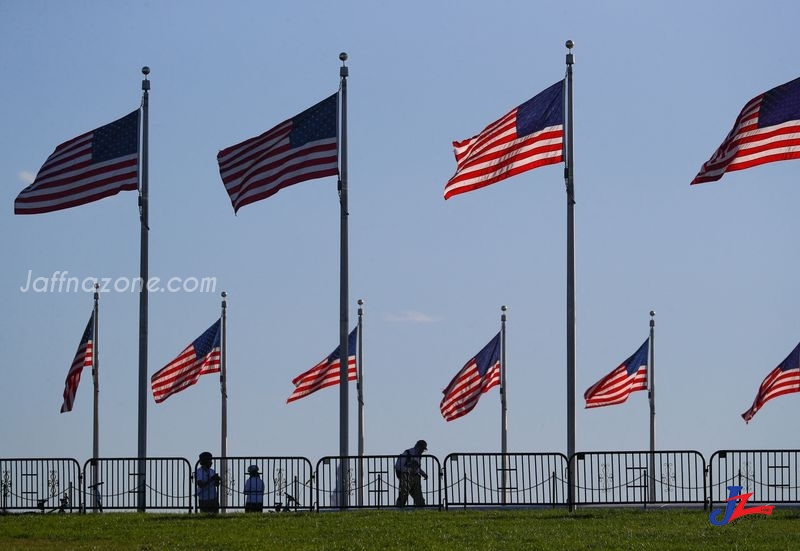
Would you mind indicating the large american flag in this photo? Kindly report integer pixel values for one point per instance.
(326, 373)
(528, 137)
(767, 130)
(784, 379)
(84, 357)
(302, 148)
(614, 388)
(201, 357)
(479, 374)
(97, 164)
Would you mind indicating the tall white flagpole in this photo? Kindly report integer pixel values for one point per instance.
(344, 307)
(570, 184)
(651, 377)
(223, 387)
(96, 384)
(143, 271)
(503, 404)
(360, 387)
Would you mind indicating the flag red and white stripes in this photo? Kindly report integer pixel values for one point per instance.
(201, 357)
(302, 148)
(84, 357)
(327, 372)
(784, 379)
(766, 130)
(529, 136)
(97, 164)
(478, 376)
(614, 388)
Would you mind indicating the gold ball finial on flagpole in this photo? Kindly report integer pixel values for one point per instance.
(569, 44)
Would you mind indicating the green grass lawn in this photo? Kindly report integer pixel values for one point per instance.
(600, 528)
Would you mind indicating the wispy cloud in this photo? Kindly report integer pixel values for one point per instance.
(408, 316)
(26, 177)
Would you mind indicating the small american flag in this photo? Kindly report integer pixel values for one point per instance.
(528, 137)
(98, 164)
(201, 357)
(326, 373)
(784, 379)
(614, 388)
(84, 357)
(302, 148)
(478, 375)
(767, 130)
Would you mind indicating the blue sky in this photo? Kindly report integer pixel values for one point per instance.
(657, 88)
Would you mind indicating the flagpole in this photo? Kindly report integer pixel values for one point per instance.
(223, 381)
(143, 270)
(569, 177)
(503, 405)
(96, 382)
(344, 321)
(360, 387)
(652, 395)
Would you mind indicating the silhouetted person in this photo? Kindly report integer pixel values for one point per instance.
(207, 485)
(408, 471)
(253, 491)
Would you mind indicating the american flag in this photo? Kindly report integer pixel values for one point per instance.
(326, 373)
(97, 164)
(478, 375)
(84, 357)
(784, 379)
(614, 388)
(201, 357)
(528, 137)
(302, 148)
(767, 130)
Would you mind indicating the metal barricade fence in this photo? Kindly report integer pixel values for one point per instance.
(512, 479)
(288, 482)
(773, 476)
(112, 484)
(370, 481)
(467, 479)
(43, 484)
(624, 478)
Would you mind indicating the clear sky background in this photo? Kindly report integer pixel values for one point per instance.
(657, 85)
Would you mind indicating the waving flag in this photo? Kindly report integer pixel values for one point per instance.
(614, 388)
(478, 375)
(201, 357)
(528, 137)
(83, 358)
(326, 373)
(302, 148)
(784, 379)
(97, 164)
(767, 130)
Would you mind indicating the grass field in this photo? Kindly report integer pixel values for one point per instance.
(605, 528)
